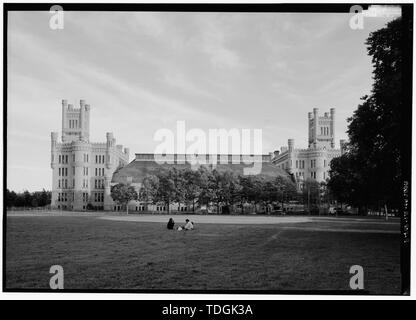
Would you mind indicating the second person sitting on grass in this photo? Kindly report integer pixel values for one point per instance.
(189, 225)
(171, 223)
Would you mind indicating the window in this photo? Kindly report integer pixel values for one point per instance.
(59, 172)
(60, 158)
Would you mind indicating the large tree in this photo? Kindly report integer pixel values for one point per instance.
(148, 190)
(371, 167)
(123, 194)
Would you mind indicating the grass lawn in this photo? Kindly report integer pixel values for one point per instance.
(102, 254)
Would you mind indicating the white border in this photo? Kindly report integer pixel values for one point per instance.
(133, 296)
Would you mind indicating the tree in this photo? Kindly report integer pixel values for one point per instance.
(205, 195)
(148, 190)
(166, 192)
(311, 193)
(235, 189)
(371, 169)
(179, 185)
(11, 198)
(216, 188)
(123, 194)
(193, 186)
(247, 190)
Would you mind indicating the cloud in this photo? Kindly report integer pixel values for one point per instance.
(143, 71)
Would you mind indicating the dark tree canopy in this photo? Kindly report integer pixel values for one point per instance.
(122, 194)
(28, 199)
(369, 173)
(221, 188)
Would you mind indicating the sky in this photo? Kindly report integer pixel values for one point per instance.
(141, 72)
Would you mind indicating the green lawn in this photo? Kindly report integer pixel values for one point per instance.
(102, 254)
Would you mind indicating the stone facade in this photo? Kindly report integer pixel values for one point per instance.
(313, 162)
(82, 170)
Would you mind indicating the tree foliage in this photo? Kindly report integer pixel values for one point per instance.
(28, 199)
(123, 194)
(212, 187)
(369, 173)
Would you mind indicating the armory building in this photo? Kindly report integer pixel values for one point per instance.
(83, 171)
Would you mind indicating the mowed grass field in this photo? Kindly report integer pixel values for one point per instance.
(102, 254)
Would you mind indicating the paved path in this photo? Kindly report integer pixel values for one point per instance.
(210, 219)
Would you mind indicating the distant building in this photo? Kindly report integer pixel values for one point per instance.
(144, 164)
(82, 170)
(313, 162)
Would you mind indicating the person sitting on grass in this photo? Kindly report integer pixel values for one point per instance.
(189, 225)
(171, 223)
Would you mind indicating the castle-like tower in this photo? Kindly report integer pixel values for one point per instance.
(321, 129)
(313, 162)
(82, 170)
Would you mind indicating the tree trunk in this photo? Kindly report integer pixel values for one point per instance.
(127, 208)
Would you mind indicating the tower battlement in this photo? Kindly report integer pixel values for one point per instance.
(321, 129)
(75, 121)
(81, 169)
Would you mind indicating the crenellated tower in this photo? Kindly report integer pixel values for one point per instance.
(321, 129)
(313, 162)
(75, 122)
(82, 170)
